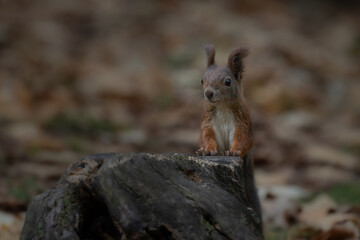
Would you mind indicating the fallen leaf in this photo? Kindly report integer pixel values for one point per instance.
(335, 233)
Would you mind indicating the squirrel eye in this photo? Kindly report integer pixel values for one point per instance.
(202, 82)
(228, 82)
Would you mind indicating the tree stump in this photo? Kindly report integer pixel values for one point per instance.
(149, 196)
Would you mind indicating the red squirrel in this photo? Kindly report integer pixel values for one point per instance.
(225, 119)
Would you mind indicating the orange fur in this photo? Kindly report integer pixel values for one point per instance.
(243, 139)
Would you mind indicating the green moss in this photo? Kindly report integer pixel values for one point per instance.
(62, 122)
(180, 59)
(243, 220)
(74, 144)
(40, 229)
(342, 193)
(96, 125)
(355, 47)
(275, 233)
(88, 126)
(302, 232)
(164, 100)
(345, 193)
(207, 223)
(180, 157)
(41, 224)
(351, 149)
(70, 206)
(34, 149)
(24, 190)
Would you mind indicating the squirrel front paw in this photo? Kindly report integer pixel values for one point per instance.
(232, 153)
(206, 152)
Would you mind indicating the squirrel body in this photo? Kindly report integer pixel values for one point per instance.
(225, 121)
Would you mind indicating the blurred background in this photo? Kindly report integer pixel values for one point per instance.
(84, 77)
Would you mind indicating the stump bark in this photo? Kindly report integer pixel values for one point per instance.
(149, 196)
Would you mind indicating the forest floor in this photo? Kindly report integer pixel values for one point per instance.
(125, 77)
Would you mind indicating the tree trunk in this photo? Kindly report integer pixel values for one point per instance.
(149, 196)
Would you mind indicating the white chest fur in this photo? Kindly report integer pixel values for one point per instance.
(224, 128)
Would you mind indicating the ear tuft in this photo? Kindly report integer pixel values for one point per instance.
(210, 54)
(235, 62)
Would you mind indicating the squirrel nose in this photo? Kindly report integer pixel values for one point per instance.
(209, 94)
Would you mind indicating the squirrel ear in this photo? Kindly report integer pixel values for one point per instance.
(210, 54)
(235, 62)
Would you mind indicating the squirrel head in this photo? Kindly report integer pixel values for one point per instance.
(222, 84)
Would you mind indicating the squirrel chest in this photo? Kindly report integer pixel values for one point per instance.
(223, 123)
